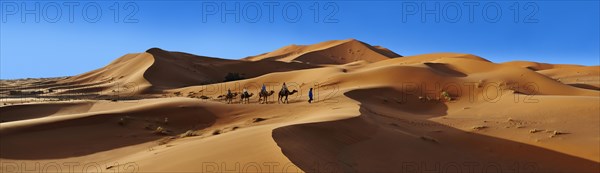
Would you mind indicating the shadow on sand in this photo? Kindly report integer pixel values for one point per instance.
(392, 136)
(99, 132)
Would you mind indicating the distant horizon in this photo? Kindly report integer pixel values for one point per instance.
(44, 44)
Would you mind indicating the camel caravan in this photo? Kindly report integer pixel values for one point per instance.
(263, 95)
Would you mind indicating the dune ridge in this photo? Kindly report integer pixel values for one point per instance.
(329, 52)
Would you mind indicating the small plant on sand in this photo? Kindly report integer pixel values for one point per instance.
(15, 93)
(178, 94)
(204, 97)
(161, 131)
(425, 98)
(189, 133)
(534, 130)
(445, 96)
(479, 127)
(216, 132)
(256, 120)
(556, 133)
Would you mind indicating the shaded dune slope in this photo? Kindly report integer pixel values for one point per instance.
(52, 137)
(374, 142)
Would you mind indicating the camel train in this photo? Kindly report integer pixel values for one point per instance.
(263, 95)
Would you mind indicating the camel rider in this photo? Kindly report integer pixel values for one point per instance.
(263, 89)
(284, 87)
(310, 95)
(228, 91)
(245, 91)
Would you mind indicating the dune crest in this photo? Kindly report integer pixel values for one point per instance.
(329, 52)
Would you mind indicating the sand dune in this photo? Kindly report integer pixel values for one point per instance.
(375, 111)
(377, 141)
(539, 66)
(329, 52)
(585, 77)
(128, 68)
(197, 70)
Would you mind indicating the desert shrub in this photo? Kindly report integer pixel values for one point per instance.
(256, 120)
(445, 96)
(15, 92)
(216, 132)
(189, 133)
(479, 127)
(178, 94)
(204, 97)
(161, 131)
(556, 133)
(233, 77)
(191, 94)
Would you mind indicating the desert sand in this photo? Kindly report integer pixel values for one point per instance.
(373, 111)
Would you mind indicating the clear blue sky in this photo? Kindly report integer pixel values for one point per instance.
(79, 40)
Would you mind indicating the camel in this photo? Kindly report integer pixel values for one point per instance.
(285, 93)
(245, 97)
(265, 95)
(229, 97)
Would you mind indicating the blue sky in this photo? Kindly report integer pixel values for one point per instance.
(66, 42)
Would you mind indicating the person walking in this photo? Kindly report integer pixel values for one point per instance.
(310, 95)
